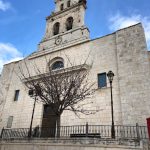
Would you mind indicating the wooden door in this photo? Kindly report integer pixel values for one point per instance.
(48, 122)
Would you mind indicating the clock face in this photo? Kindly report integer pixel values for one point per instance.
(58, 40)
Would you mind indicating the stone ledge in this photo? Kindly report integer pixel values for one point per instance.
(76, 141)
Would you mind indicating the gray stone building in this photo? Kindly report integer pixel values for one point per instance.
(124, 52)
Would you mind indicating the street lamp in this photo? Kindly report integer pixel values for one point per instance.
(110, 76)
(31, 94)
(34, 92)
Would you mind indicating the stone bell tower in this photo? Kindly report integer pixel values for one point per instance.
(65, 26)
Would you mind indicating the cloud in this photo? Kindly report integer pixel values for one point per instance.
(4, 5)
(119, 21)
(8, 53)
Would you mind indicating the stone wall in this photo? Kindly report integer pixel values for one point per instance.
(123, 52)
(133, 73)
(103, 56)
(83, 144)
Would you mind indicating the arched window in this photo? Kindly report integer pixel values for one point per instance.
(56, 28)
(62, 7)
(83, 1)
(68, 3)
(69, 23)
(57, 65)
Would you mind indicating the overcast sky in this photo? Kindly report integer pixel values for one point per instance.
(22, 22)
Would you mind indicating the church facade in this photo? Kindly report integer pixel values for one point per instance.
(124, 52)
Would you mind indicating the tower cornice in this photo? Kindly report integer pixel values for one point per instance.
(65, 10)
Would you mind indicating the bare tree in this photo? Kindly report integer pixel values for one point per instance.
(61, 89)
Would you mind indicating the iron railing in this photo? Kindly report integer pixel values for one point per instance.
(121, 132)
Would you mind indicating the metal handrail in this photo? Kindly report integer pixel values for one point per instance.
(122, 132)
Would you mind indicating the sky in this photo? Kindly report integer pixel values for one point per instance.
(22, 22)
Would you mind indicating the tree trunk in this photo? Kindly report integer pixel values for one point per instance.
(57, 133)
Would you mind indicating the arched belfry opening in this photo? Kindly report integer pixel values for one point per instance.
(69, 23)
(62, 7)
(56, 28)
(68, 3)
